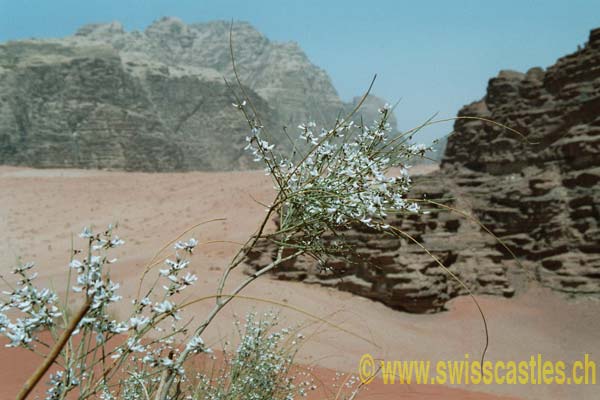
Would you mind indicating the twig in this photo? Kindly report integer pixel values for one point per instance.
(53, 355)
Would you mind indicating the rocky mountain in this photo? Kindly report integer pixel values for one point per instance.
(540, 194)
(154, 100)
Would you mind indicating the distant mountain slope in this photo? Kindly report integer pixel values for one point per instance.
(153, 100)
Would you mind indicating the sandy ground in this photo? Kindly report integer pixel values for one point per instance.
(41, 210)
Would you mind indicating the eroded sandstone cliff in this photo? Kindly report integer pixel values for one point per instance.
(539, 194)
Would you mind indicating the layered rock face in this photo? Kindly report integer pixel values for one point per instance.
(542, 194)
(64, 107)
(539, 194)
(279, 72)
(400, 273)
(154, 100)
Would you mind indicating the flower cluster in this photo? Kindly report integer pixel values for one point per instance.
(39, 309)
(176, 282)
(148, 314)
(93, 282)
(36, 308)
(90, 277)
(260, 367)
(60, 381)
(353, 173)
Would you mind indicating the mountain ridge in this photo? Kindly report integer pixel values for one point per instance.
(171, 77)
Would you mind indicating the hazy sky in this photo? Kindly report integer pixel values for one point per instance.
(434, 55)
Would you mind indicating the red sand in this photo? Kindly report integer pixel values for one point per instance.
(41, 209)
(22, 363)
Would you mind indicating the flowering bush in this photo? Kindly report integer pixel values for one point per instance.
(39, 310)
(352, 173)
(261, 363)
(261, 366)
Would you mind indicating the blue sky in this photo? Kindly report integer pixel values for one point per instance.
(434, 55)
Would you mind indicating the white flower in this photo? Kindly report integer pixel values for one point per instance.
(195, 344)
(145, 301)
(86, 233)
(167, 362)
(138, 322)
(164, 308)
(177, 265)
(413, 207)
(187, 246)
(118, 328)
(23, 267)
(135, 345)
(78, 265)
(18, 337)
(386, 107)
(189, 279)
(116, 242)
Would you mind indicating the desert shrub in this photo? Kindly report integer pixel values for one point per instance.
(261, 368)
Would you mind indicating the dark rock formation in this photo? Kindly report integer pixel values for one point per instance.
(539, 194)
